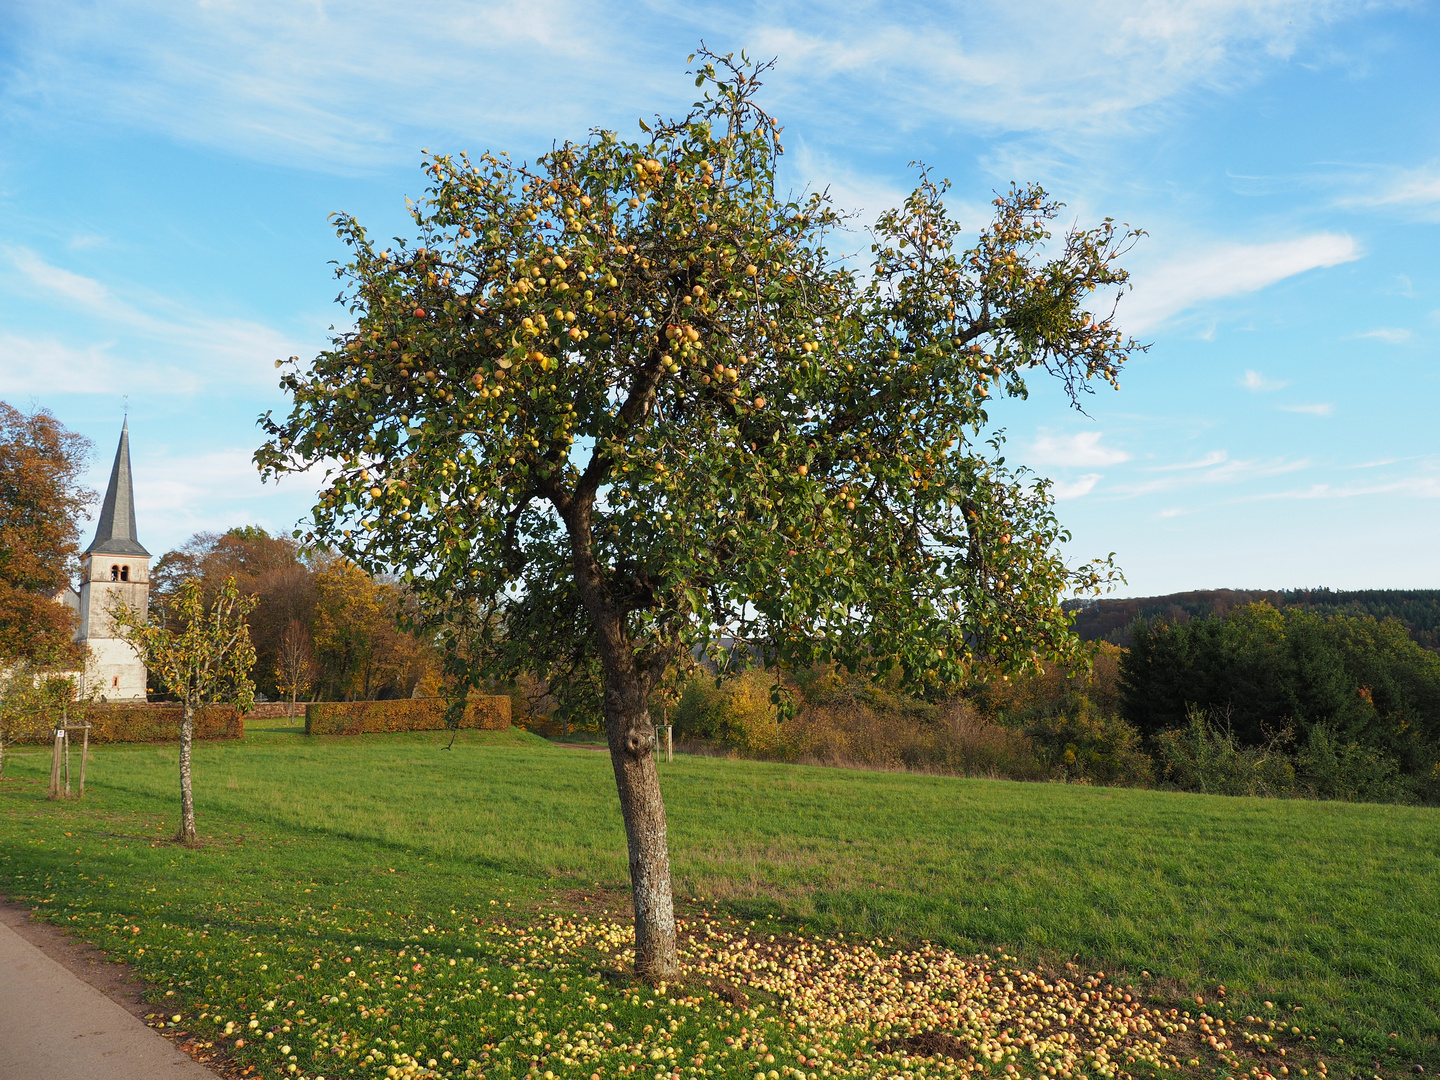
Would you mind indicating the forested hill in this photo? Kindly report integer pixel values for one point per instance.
(1109, 620)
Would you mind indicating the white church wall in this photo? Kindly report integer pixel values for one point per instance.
(113, 671)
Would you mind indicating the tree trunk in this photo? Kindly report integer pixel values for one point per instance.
(632, 744)
(186, 835)
(631, 736)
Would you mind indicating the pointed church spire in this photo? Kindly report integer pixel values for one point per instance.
(115, 535)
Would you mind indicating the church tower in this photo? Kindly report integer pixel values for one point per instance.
(114, 566)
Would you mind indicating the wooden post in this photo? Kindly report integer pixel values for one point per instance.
(67, 761)
(55, 764)
(84, 753)
(669, 742)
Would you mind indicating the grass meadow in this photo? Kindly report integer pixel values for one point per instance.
(340, 877)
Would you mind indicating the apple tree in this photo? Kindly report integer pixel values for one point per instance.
(199, 652)
(623, 405)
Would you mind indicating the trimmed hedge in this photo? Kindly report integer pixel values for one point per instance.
(145, 722)
(402, 714)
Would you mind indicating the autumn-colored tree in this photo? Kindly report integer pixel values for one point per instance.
(199, 651)
(41, 505)
(360, 651)
(623, 403)
(295, 663)
(270, 568)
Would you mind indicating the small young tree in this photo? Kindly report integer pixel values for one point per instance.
(33, 698)
(201, 654)
(295, 663)
(623, 405)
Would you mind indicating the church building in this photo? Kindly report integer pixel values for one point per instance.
(113, 566)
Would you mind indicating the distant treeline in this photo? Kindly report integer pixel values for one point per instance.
(1114, 620)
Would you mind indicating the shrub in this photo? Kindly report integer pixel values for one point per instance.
(849, 721)
(738, 712)
(1083, 744)
(1018, 700)
(1206, 756)
(952, 739)
(141, 722)
(1331, 769)
(403, 714)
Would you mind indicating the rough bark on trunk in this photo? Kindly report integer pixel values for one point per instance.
(628, 729)
(187, 794)
(632, 744)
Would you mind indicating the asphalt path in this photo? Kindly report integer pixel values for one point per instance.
(57, 1025)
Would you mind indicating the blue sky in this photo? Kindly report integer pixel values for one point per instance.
(166, 171)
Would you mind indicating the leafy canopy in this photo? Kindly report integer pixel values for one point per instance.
(199, 652)
(626, 398)
(41, 504)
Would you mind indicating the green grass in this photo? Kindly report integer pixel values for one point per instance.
(1327, 906)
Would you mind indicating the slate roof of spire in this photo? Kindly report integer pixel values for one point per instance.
(115, 535)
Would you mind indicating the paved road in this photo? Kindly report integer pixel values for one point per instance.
(56, 1026)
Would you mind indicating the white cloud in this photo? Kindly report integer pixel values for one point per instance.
(1076, 488)
(1062, 68)
(41, 367)
(1415, 189)
(1078, 450)
(367, 82)
(338, 88)
(1311, 410)
(1390, 335)
(1257, 383)
(1226, 270)
(179, 492)
(1214, 457)
(1209, 472)
(1414, 487)
(125, 337)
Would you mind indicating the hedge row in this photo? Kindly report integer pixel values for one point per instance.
(402, 714)
(143, 722)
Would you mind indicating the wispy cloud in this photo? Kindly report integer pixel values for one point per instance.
(1076, 488)
(1226, 472)
(1227, 270)
(1311, 410)
(1257, 383)
(1414, 487)
(40, 367)
(1074, 451)
(355, 86)
(1214, 457)
(1390, 335)
(179, 492)
(1413, 189)
(230, 351)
